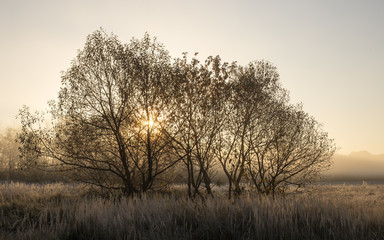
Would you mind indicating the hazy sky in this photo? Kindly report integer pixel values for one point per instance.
(330, 54)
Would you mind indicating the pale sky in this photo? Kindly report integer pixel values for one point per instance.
(330, 54)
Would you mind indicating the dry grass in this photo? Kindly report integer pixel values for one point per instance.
(59, 211)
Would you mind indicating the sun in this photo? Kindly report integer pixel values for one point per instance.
(150, 123)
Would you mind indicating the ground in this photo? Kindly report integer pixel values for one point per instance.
(71, 211)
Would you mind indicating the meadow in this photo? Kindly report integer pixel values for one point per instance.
(74, 211)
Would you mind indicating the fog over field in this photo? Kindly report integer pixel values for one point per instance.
(357, 166)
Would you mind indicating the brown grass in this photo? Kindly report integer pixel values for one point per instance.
(59, 211)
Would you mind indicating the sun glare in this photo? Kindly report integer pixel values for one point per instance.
(150, 123)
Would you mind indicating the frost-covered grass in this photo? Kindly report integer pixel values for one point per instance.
(60, 211)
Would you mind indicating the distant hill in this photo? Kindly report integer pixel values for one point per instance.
(356, 166)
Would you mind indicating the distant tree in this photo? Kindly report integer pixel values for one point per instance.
(9, 154)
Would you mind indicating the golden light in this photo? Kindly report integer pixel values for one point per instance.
(151, 123)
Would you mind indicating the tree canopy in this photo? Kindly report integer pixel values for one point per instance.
(128, 114)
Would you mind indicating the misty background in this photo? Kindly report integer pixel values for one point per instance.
(356, 166)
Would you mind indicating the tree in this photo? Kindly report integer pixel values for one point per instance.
(107, 122)
(199, 116)
(252, 90)
(9, 154)
(126, 114)
(293, 151)
(265, 139)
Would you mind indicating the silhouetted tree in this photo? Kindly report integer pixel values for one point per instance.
(293, 151)
(107, 122)
(253, 88)
(200, 97)
(127, 113)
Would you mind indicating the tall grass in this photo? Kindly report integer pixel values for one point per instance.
(59, 211)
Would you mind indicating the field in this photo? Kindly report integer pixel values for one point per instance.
(63, 211)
